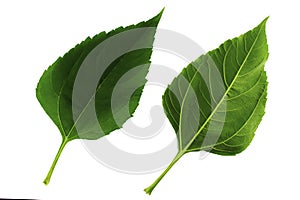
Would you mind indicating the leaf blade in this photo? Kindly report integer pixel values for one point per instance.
(230, 77)
(229, 86)
(71, 96)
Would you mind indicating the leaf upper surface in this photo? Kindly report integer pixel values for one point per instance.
(56, 88)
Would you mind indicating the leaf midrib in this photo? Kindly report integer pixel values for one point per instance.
(222, 99)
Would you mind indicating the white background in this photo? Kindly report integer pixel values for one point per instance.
(34, 33)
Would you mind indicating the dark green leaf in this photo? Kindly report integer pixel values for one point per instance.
(95, 87)
(218, 101)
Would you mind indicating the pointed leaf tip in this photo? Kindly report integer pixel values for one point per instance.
(266, 18)
(160, 13)
(157, 17)
(264, 22)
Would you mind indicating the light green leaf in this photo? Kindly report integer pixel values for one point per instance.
(218, 101)
(95, 87)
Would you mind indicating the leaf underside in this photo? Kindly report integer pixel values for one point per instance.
(218, 101)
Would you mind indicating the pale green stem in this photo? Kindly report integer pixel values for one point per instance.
(48, 177)
(149, 189)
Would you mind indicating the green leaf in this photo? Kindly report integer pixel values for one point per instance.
(218, 101)
(95, 87)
